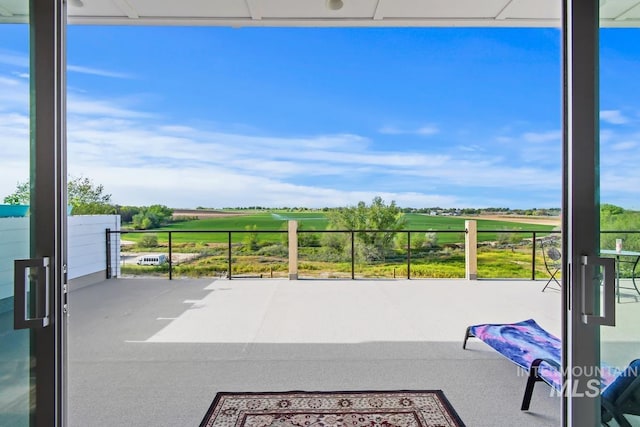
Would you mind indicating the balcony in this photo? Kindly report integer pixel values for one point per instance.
(155, 352)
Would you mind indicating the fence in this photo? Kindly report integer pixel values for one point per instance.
(293, 235)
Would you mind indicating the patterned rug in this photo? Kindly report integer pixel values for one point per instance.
(339, 409)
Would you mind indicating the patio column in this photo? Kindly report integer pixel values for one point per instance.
(293, 250)
(471, 250)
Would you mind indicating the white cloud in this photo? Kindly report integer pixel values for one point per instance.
(614, 117)
(542, 137)
(15, 59)
(625, 145)
(428, 130)
(97, 72)
(140, 161)
(470, 148)
(14, 94)
(142, 158)
(425, 130)
(79, 105)
(218, 188)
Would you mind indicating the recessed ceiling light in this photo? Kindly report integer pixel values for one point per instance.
(334, 4)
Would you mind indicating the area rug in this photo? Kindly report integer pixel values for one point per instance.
(332, 409)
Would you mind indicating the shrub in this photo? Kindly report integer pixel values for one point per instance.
(276, 250)
(309, 240)
(335, 241)
(148, 241)
(250, 239)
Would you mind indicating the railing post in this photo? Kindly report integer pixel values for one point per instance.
(108, 253)
(471, 249)
(408, 255)
(293, 250)
(533, 258)
(229, 258)
(170, 261)
(353, 256)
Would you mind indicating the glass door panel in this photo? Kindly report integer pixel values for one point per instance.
(17, 388)
(619, 58)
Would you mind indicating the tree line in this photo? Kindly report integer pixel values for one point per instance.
(87, 198)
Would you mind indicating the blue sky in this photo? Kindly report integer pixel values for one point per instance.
(324, 117)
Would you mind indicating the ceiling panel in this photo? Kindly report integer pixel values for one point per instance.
(192, 8)
(611, 9)
(317, 9)
(102, 8)
(443, 8)
(14, 9)
(468, 13)
(540, 9)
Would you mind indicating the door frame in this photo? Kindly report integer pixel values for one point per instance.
(580, 209)
(48, 222)
(579, 205)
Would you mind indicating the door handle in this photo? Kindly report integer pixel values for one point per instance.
(27, 271)
(608, 316)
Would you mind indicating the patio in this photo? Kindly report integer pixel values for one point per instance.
(155, 352)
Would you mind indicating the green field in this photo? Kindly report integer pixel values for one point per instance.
(277, 221)
(206, 239)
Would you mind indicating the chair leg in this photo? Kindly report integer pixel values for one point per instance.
(528, 393)
(552, 278)
(531, 381)
(467, 335)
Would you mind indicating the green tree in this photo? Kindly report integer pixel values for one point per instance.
(82, 190)
(152, 216)
(607, 210)
(83, 195)
(377, 216)
(127, 212)
(21, 196)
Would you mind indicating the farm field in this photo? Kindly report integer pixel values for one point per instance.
(213, 229)
(259, 247)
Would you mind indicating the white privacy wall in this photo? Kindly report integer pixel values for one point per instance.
(86, 246)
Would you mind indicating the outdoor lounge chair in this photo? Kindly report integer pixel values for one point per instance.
(537, 352)
(622, 396)
(552, 261)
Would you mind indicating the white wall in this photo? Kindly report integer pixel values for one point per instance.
(87, 254)
(86, 245)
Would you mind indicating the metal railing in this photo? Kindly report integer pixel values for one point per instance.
(535, 237)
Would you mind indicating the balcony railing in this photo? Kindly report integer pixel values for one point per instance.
(403, 261)
(402, 258)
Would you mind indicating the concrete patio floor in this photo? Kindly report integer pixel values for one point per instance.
(153, 352)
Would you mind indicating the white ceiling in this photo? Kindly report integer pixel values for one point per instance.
(239, 13)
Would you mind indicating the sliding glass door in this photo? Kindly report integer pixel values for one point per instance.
(17, 393)
(32, 221)
(619, 197)
(602, 213)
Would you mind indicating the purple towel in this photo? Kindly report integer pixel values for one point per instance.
(525, 341)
